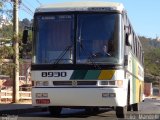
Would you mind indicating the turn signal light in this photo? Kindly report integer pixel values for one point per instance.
(119, 83)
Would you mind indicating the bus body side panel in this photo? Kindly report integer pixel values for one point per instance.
(135, 75)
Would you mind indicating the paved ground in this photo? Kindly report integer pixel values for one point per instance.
(27, 112)
(149, 110)
(19, 109)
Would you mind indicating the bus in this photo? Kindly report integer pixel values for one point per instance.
(86, 55)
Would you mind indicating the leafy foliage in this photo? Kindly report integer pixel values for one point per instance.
(6, 46)
(151, 59)
(4, 10)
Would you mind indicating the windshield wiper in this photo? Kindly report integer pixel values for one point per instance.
(86, 52)
(91, 58)
(59, 58)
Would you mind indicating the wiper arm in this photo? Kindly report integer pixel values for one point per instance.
(59, 58)
(90, 57)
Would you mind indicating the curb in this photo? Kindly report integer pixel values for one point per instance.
(22, 111)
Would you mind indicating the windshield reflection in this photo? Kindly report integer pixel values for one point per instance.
(97, 41)
(54, 39)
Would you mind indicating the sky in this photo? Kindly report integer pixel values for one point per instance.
(143, 14)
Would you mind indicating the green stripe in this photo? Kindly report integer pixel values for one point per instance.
(92, 75)
(78, 74)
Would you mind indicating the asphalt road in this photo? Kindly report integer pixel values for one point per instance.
(150, 109)
(72, 114)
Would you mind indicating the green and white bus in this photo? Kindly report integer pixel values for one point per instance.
(86, 54)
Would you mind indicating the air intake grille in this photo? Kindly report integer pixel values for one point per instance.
(74, 83)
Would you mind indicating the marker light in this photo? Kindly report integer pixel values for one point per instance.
(102, 8)
(41, 95)
(112, 94)
(104, 95)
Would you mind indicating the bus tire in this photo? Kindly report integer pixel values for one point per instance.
(135, 107)
(54, 110)
(95, 109)
(120, 112)
(129, 107)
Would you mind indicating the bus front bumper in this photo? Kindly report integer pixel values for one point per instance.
(102, 97)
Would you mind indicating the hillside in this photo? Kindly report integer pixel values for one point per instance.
(151, 60)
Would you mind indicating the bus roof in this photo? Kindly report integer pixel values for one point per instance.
(81, 6)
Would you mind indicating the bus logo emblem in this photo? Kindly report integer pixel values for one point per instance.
(74, 83)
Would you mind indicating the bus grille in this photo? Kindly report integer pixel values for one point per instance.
(74, 83)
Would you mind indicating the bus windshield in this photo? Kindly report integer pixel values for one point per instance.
(98, 39)
(54, 39)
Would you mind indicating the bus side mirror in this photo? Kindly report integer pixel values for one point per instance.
(128, 39)
(25, 37)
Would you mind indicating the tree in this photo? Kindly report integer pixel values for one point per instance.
(26, 22)
(7, 28)
(6, 50)
(151, 59)
(1, 4)
(4, 10)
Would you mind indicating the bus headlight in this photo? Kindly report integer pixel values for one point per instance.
(111, 83)
(42, 83)
(118, 83)
(103, 82)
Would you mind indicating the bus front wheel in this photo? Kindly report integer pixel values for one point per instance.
(55, 110)
(135, 107)
(120, 112)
